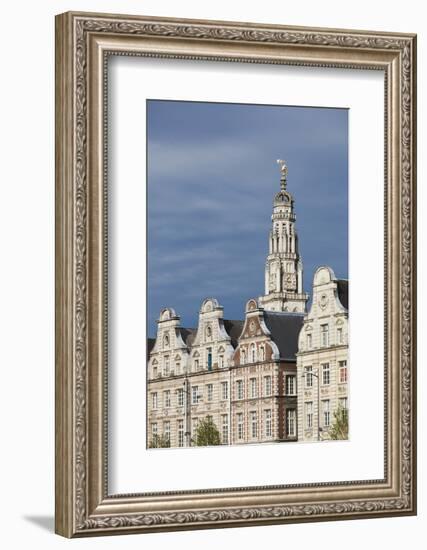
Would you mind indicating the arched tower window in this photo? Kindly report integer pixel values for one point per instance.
(242, 356)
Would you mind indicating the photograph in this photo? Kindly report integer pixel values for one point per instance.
(247, 262)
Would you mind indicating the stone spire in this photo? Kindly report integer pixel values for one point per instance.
(283, 268)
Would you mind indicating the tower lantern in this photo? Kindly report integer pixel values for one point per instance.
(283, 268)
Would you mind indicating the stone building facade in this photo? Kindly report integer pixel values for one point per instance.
(263, 377)
(322, 358)
(255, 378)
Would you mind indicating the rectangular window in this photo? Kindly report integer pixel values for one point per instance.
(224, 428)
(180, 430)
(342, 368)
(154, 430)
(291, 421)
(239, 425)
(166, 367)
(339, 335)
(267, 423)
(253, 387)
(178, 368)
(209, 388)
(195, 394)
(167, 430)
(267, 385)
(209, 358)
(196, 365)
(290, 384)
(343, 403)
(254, 424)
(308, 377)
(309, 414)
(180, 397)
(309, 341)
(194, 426)
(224, 390)
(167, 398)
(154, 401)
(326, 374)
(324, 336)
(239, 386)
(221, 361)
(155, 372)
(326, 412)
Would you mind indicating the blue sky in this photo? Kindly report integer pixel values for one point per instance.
(212, 176)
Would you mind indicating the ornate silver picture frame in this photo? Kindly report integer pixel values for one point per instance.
(84, 505)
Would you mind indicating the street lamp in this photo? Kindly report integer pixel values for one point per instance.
(315, 372)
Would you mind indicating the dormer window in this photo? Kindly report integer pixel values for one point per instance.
(166, 341)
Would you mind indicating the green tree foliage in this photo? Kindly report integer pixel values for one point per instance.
(339, 429)
(207, 433)
(159, 441)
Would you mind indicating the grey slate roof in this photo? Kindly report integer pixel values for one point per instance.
(342, 285)
(187, 334)
(234, 330)
(285, 329)
(150, 345)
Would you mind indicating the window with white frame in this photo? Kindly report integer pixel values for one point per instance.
(180, 397)
(242, 356)
(167, 430)
(308, 377)
(324, 336)
(239, 418)
(180, 430)
(194, 426)
(343, 403)
(326, 374)
(221, 361)
(253, 353)
(224, 429)
(291, 388)
(309, 414)
(342, 370)
(196, 365)
(291, 422)
(326, 412)
(195, 396)
(339, 335)
(267, 385)
(309, 341)
(209, 391)
(240, 389)
(262, 353)
(154, 430)
(254, 424)
(267, 423)
(155, 372)
(166, 367)
(224, 390)
(178, 368)
(167, 398)
(154, 400)
(253, 386)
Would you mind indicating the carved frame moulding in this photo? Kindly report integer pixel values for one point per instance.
(83, 43)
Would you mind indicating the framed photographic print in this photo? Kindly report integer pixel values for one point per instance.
(218, 187)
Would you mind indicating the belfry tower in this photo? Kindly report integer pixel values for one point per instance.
(283, 268)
